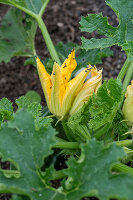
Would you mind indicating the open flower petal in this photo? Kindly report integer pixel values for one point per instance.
(58, 89)
(72, 89)
(68, 66)
(45, 79)
(90, 86)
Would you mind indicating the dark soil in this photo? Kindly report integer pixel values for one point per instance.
(62, 19)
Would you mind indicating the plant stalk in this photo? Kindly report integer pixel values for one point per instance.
(124, 143)
(101, 131)
(43, 8)
(48, 40)
(123, 70)
(119, 167)
(59, 174)
(128, 76)
(66, 145)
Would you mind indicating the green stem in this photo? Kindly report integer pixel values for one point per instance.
(59, 174)
(123, 70)
(61, 143)
(10, 172)
(122, 168)
(67, 131)
(48, 40)
(43, 8)
(67, 145)
(101, 131)
(128, 76)
(125, 143)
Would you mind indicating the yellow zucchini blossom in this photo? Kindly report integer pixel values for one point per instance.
(65, 96)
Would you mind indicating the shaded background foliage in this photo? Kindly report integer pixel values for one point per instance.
(62, 20)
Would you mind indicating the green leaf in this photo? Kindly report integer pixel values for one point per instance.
(30, 61)
(97, 116)
(105, 104)
(31, 5)
(16, 36)
(36, 110)
(120, 35)
(26, 148)
(16, 197)
(48, 63)
(33, 96)
(120, 126)
(91, 174)
(34, 107)
(6, 109)
(93, 56)
(78, 123)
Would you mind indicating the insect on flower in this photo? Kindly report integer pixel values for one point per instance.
(65, 96)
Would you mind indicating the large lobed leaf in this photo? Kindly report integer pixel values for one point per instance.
(91, 174)
(121, 35)
(26, 148)
(16, 36)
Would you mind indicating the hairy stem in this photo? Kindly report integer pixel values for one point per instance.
(48, 40)
(123, 70)
(67, 145)
(122, 168)
(128, 76)
(101, 131)
(43, 8)
(124, 143)
(59, 174)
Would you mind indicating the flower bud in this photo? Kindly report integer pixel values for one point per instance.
(64, 96)
(128, 104)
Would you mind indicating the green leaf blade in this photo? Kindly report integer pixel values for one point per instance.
(105, 104)
(97, 22)
(31, 5)
(120, 35)
(6, 109)
(16, 39)
(91, 174)
(26, 148)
